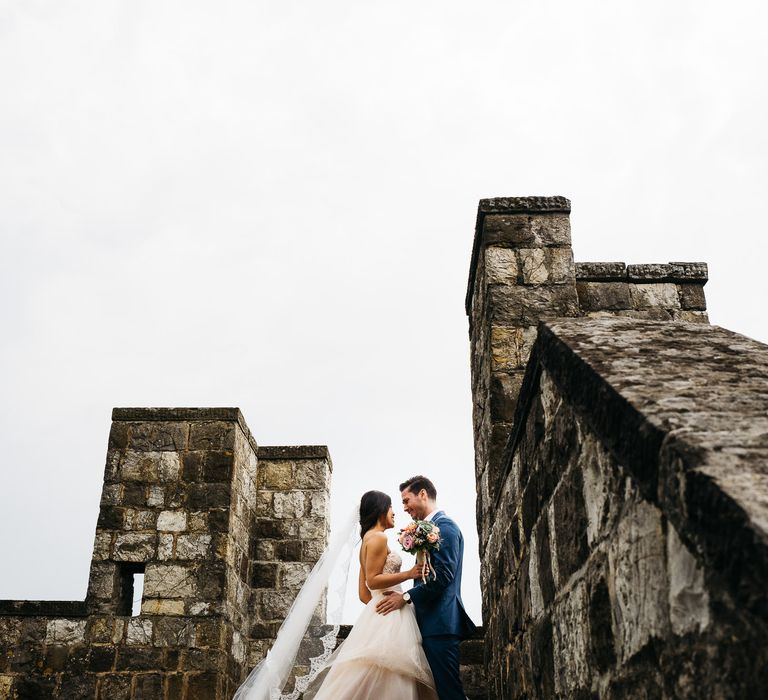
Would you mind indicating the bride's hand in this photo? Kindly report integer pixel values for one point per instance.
(418, 571)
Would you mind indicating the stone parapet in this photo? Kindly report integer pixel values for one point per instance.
(633, 556)
(221, 543)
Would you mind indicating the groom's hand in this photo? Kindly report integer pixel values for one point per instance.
(391, 601)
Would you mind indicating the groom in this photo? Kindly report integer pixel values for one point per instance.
(437, 603)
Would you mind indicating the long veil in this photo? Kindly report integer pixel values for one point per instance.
(323, 591)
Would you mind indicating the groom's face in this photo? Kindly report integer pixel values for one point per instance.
(415, 504)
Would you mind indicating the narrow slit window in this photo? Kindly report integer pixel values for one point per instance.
(131, 589)
(138, 592)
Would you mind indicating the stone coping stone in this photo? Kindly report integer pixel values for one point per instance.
(684, 406)
(696, 272)
(43, 608)
(173, 414)
(145, 414)
(272, 452)
(508, 205)
(522, 205)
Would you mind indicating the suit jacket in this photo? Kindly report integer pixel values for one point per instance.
(437, 603)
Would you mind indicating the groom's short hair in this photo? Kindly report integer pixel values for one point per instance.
(416, 483)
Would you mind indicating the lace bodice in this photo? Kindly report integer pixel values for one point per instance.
(393, 563)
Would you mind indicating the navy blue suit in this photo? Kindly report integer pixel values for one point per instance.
(440, 612)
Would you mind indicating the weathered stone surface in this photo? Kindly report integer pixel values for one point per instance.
(603, 296)
(654, 295)
(65, 632)
(601, 271)
(692, 297)
(172, 521)
(134, 546)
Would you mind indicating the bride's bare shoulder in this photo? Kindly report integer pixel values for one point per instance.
(374, 540)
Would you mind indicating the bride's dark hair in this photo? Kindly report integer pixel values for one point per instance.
(373, 505)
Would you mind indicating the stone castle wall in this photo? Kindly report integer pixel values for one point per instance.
(223, 539)
(606, 566)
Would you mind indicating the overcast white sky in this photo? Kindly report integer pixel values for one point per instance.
(270, 205)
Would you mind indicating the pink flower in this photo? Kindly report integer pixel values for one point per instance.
(407, 542)
(433, 537)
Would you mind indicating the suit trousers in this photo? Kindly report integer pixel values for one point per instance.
(442, 653)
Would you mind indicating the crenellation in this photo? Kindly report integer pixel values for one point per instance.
(184, 504)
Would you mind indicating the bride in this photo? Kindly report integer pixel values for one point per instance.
(382, 659)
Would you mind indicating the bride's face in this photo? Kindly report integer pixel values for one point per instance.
(389, 518)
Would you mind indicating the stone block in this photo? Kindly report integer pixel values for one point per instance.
(138, 659)
(312, 474)
(601, 271)
(212, 435)
(690, 316)
(663, 295)
(203, 496)
(601, 637)
(263, 575)
(533, 265)
(135, 519)
(197, 521)
(115, 686)
(169, 581)
(505, 388)
(569, 518)
(111, 494)
(511, 346)
(692, 297)
(501, 265)
(134, 546)
(172, 632)
(688, 595)
(560, 266)
(292, 575)
(102, 545)
(165, 546)
(207, 634)
(637, 565)
(276, 475)
(118, 436)
(138, 632)
(274, 605)
(290, 504)
(197, 546)
(202, 685)
(65, 632)
(318, 504)
(172, 521)
(148, 686)
(603, 296)
(148, 467)
(525, 230)
(101, 659)
(155, 496)
(217, 467)
(526, 306)
(162, 607)
(570, 627)
(159, 436)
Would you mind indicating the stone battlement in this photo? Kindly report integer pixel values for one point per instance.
(622, 438)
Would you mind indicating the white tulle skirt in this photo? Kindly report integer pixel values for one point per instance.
(381, 659)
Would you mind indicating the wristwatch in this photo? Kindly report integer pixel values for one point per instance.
(407, 598)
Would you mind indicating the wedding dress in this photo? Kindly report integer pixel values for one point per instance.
(382, 658)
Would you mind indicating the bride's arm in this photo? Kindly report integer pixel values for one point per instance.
(362, 590)
(374, 565)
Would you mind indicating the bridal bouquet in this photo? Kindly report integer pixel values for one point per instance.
(421, 537)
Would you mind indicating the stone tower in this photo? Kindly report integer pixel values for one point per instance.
(619, 443)
(222, 533)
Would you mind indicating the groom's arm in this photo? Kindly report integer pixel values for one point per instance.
(445, 562)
